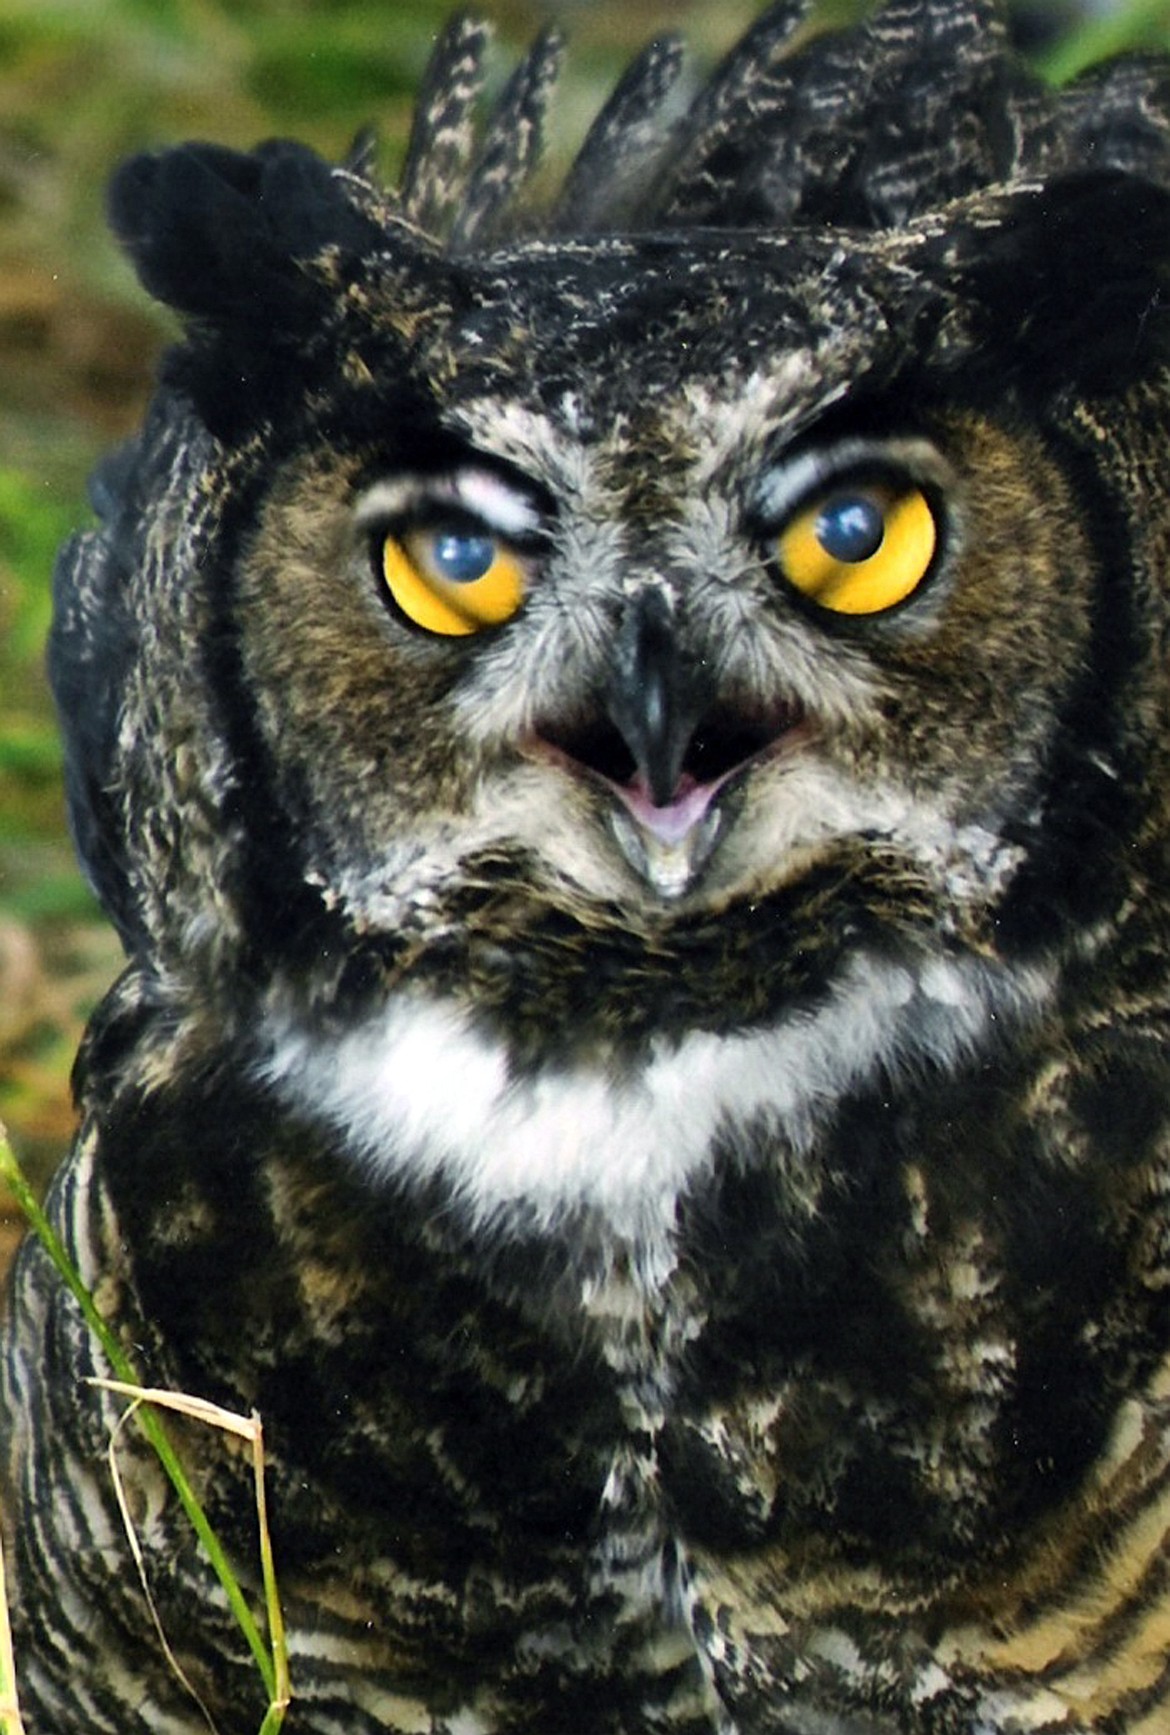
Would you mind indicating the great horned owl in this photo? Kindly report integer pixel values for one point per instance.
(628, 746)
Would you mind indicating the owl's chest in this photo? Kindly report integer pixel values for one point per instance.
(675, 1299)
(774, 1269)
(600, 1363)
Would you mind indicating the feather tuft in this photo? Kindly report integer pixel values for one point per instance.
(511, 145)
(443, 134)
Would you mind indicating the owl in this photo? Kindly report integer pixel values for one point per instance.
(626, 736)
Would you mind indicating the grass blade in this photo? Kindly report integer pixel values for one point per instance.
(147, 1419)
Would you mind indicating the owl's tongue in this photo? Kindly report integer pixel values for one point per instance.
(668, 843)
(673, 822)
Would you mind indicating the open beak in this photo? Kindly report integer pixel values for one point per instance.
(665, 743)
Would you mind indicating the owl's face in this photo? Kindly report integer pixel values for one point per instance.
(683, 595)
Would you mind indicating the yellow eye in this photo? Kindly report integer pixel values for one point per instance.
(860, 548)
(452, 580)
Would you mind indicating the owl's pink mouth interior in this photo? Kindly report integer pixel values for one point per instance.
(672, 823)
(722, 744)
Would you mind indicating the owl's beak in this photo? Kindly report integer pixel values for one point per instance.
(666, 744)
(653, 699)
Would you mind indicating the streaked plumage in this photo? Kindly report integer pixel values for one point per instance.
(627, 745)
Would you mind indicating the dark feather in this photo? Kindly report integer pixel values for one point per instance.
(1068, 286)
(622, 146)
(443, 132)
(95, 642)
(511, 145)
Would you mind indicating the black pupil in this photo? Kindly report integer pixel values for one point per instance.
(850, 527)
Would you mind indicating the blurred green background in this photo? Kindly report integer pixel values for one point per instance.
(83, 82)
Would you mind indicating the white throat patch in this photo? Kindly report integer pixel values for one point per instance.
(417, 1091)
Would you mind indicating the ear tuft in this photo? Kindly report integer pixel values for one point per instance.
(218, 234)
(1071, 282)
(225, 238)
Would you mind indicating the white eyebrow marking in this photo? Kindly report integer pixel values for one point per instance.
(481, 493)
(787, 483)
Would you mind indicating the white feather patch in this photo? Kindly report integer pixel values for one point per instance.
(417, 1091)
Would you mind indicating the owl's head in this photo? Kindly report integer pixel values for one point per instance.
(643, 607)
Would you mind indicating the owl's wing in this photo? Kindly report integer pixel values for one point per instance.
(90, 649)
(93, 645)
